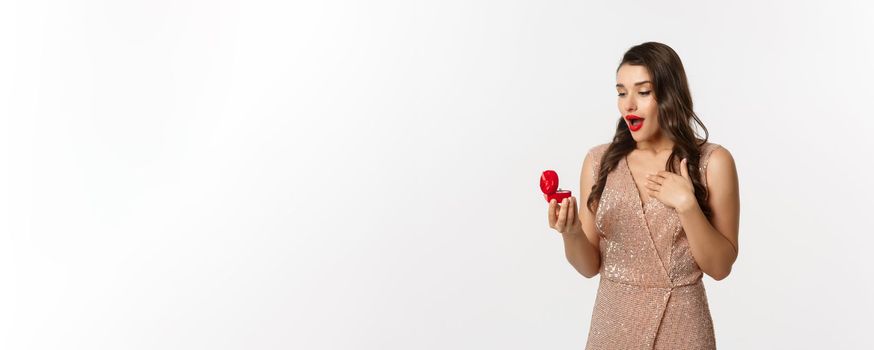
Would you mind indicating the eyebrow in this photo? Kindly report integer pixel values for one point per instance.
(635, 84)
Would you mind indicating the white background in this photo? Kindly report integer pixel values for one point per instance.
(363, 175)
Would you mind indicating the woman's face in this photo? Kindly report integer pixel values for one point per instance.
(636, 97)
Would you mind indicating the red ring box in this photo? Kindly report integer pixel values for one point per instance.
(549, 186)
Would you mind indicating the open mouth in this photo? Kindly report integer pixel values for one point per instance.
(634, 122)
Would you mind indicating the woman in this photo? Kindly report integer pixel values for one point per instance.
(662, 209)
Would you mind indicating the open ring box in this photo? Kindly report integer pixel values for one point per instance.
(549, 186)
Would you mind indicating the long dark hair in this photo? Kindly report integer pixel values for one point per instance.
(675, 117)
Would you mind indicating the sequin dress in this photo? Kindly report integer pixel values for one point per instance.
(651, 294)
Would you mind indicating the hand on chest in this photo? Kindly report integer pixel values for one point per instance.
(650, 181)
(640, 166)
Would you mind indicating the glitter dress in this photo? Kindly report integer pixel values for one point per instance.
(651, 294)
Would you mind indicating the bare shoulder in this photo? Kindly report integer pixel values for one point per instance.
(591, 164)
(592, 161)
(721, 153)
(598, 150)
(600, 147)
(721, 166)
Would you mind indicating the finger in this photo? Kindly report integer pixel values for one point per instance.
(660, 174)
(655, 179)
(562, 215)
(551, 213)
(652, 186)
(571, 213)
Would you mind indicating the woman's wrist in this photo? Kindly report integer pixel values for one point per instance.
(576, 233)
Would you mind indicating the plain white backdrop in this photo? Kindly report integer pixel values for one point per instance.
(363, 175)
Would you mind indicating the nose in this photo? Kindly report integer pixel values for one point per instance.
(630, 106)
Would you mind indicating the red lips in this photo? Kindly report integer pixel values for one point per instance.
(634, 126)
(549, 186)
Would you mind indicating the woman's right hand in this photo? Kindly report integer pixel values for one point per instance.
(563, 218)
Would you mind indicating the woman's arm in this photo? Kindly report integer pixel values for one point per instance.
(714, 243)
(582, 249)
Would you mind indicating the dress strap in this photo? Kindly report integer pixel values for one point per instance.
(596, 153)
(706, 151)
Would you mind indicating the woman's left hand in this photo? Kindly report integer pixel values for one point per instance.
(675, 191)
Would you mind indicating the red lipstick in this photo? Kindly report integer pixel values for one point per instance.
(634, 122)
(549, 187)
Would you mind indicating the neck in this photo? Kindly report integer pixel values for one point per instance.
(655, 146)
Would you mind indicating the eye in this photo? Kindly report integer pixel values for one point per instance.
(621, 94)
(644, 93)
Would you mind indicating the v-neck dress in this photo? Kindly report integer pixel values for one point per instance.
(650, 294)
